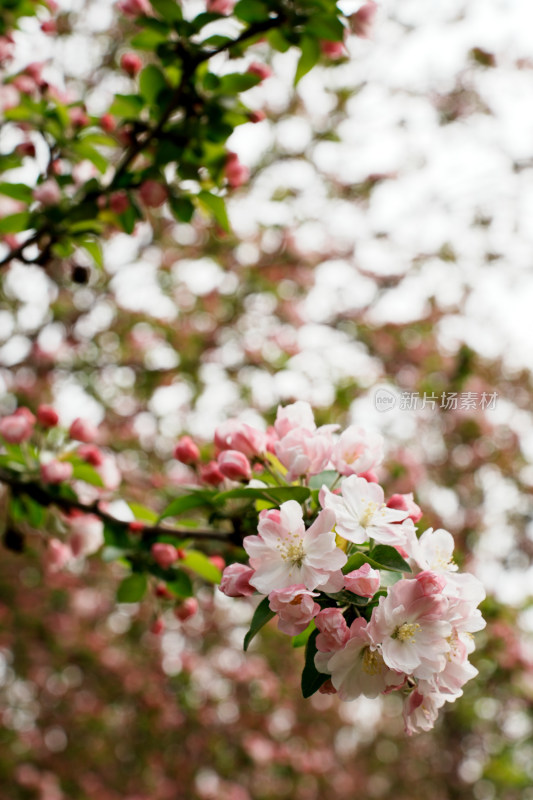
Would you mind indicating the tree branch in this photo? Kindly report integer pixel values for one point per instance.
(42, 495)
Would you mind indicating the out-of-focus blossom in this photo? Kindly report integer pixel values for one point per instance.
(86, 534)
(56, 471)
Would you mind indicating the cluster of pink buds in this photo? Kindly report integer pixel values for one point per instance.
(384, 606)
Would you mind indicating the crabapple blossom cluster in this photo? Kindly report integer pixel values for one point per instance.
(380, 606)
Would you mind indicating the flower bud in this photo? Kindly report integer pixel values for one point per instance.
(332, 50)
(362, 21)
(56, 471)
(108, 123)
(405, 502)
(236, 581)
(256, 116)
(236, 435)
(49, 26)
(364, 581)
(47, 416)
(164, 554)
(187, 451)
(211, 474)
(234, 465)
(47, 193)
(131, 63)
(134, 8)
(83, 431)
(91, 454)
(187, 609)
(153, 194)
(218, 562)
(236, 173)
(15, 429)
(136, 526)
(25, 149)
(220, 6)
(157, 627)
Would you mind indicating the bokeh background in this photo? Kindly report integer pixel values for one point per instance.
(383, 244)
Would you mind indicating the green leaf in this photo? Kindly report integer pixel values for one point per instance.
(261, 616)
(148, 40)
(169, 10)
(180, 584)
(251, 11)
(277, 41)
(112, 554)
(272, 494)
(301, 639)
(143, 513)
(98, 138)
(151, 82)
(15, 223)
(215, 205)
(325, 27)
(182, 208)
(202, 566)
(312, 679)
(389, 559)
(126, 105)
(18, 191)
(186, 502)
(87, 473)
(132, 589)
(237, 82)
(326, 478)
(310, 54)
(94, 249)
(86, 151)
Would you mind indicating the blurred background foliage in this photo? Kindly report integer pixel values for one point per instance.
(383, 241)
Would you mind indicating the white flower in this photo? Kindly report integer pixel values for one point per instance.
(284, 553)
(434, 551)
(361, 513)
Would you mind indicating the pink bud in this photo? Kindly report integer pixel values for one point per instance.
(234, 465)
(91, 454)
(25, 149)
(236, 173)
(164, 554)
(405, 502)
(15, 428)
(261, 70)
(34, 70)
(369, 476)
(83, 431)
(49, 26)
(25, 84)
(47, 416)
(220, 6)
(236, 435)
(273, 514)
(236, 581)
(218, 562)
(119, 202)
(25, 412)
(334, 632)
(157, 627)
(134, 8)
(48, 193)
(211, 474)
(327, 687)
(56, 471)
(332, 50)
(108, 123)
(187, 451)
(78, 117)
(363, 581)
(163, 592)
(153, 194)
(131, 63)
(187, 609)
(362, 21)
(256, 116)
(136, 526)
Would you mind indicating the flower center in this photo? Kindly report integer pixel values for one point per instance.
(292, 549)
(407, 632)
(444, 560)
(370, 510)
(372, 662)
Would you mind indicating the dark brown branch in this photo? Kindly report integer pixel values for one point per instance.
(42, 495)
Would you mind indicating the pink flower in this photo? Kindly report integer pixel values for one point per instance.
(333, 629)
(261, 70)
(78, 117)
(47, 416)
(48, 193)
(304, 452)
(56, 471)
(236, 173)
(284, 553)
(236, 581)
(220, 6)
(357, 450)
(153, 194)
(411, 628)
(108, 123)
(86, 534)
(6, 48)
(15, 428)
(361, 513)
(236, 435)
(234, 465)
(57, 555)
(405, 502)
(91, 454)
(211, 474)
(420, 711)
(332, 50)
(295, 415)
(135, 8)
(131, 63)
(83, 431)
(109, 472)
(9, 97)
(25, 412)
(187, 451)
(364, 581)
(295, 608)
(164, 554)
(187, 609)
(362, 21)
(359, 668)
